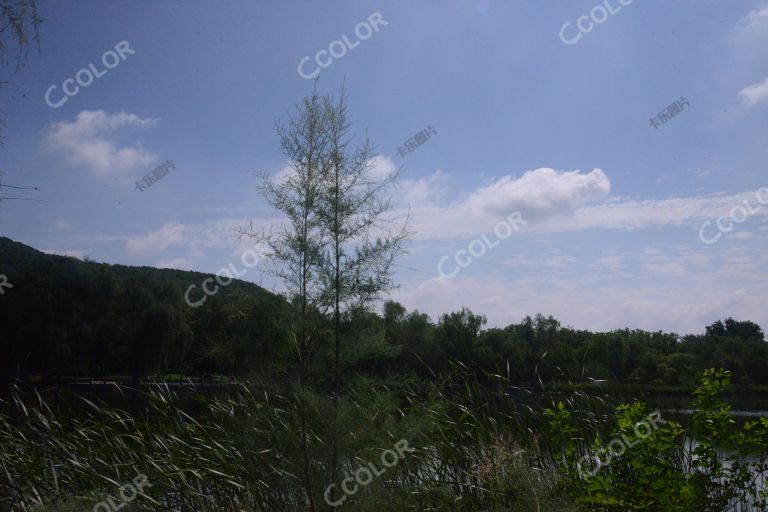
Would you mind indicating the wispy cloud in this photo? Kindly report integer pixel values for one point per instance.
(756, 17)
(652, 299)
(156, 241)
(553, 203)
(755, 93)
(214, 234)
(178, 263)
(72, 253)
(566, 202)
(63, 225)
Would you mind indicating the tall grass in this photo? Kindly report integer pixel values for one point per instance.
(477, 447)
(241, 451)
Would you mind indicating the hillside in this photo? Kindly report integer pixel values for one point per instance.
(66, 317)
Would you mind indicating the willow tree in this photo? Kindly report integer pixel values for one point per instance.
(360, 238)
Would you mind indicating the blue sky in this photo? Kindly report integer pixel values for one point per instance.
(524, 122)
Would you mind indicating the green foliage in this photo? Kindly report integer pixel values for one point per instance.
(68, 318)
(240, 451)
(707, 469)
(720, 481)
(450, 388)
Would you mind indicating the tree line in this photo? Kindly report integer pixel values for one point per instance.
(67, 318)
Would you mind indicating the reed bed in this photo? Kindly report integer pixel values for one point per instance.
(478, 445)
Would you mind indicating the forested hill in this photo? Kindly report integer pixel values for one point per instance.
(67, 317)
(70, 318)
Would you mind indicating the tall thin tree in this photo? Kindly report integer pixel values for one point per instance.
(294, 247)
(361, 239)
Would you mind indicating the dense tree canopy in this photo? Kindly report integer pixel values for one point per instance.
(68, 318)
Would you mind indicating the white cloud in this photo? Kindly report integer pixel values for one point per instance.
(755, 93)
(250, 246)
(156, 241)
(63, 225)
(422, 191)
(538, 195)
(178, 263)
(612, 262)
(283, 174)
(553, 262)
(483, 209)
(600, 302)
(756, 17)
(541, 191)
(469, 217)
(381, 167)
(215, 234)
(73, 253)
(697, 259)
(671, 269)
(89, 141)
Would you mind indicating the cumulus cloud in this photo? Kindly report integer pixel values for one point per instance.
(90, 140)
(381, 167)
(542, 191)
(755, 93)
(538, 195)
(565, 201)
(422, 191)
(551, 201)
